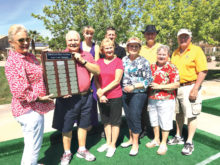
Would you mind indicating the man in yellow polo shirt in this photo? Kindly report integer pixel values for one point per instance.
(148, 51)
(192, 65)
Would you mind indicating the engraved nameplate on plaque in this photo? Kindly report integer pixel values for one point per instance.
(60, 74)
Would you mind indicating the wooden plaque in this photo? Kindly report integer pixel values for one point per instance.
(60, 74)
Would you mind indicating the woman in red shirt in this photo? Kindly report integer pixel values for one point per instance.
(161, 104)
(29, 100)
(109, 93)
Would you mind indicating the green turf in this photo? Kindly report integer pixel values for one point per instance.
(5, 94)
(206, 145)
(213, 74)
(211, 106)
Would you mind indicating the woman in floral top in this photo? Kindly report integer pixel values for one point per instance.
(137, 77)
(161, 104)
(29, 100)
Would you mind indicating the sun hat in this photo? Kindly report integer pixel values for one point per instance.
(133, 40)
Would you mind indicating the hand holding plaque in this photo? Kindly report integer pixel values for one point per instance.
(79, 58)
(45, 99)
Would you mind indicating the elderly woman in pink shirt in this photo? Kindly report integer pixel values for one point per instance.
(29, 100)
(109, 93)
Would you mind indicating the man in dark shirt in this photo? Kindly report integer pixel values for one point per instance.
(111, 34)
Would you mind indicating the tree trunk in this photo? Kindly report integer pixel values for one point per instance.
(33, 51)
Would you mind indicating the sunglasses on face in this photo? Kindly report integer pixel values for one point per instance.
(134, 46)
(22, 40)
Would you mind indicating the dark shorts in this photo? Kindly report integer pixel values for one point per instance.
(111, 111)
(75, 108)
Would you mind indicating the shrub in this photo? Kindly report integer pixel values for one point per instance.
(217, 58)
(217, 64)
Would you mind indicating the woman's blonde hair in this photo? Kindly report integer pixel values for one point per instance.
(14, 29)
(88, 29)
(104, 42)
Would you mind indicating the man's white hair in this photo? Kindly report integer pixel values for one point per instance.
(71, 33)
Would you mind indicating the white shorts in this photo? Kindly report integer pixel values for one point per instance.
(183, 104)
(161, 113)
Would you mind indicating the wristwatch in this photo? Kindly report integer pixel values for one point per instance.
(85, 62)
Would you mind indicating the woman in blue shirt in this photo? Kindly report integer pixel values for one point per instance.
(137, 77)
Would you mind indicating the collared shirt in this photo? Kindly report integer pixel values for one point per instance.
(150, 53)
(189, 63)
(119, 51)
(25, 78)
(136, 71)
(165, 75)
(83, 74)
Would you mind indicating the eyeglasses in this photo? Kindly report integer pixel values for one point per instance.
(134, 46)
(183, 37)
(22, 40)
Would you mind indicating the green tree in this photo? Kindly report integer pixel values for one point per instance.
(62, 16)
(65, 15)
(201, 16)
(116, 13)
(130, 17)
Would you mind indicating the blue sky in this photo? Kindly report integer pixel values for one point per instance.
(19, 12)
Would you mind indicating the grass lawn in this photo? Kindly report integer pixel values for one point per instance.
(213, 74)
(206, 145)
(211, 106)
(5, 94)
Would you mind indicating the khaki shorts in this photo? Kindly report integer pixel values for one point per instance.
(183, 104)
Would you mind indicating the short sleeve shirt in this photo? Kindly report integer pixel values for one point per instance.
(107, 75)
(82, 73)
(189, 63)
(165, 75)
(150, 53)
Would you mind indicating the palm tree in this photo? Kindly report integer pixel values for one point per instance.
(33, 35)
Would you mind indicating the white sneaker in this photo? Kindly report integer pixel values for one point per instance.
(133, 152)
(126, 144)
(188, 149)
(85, 155)
(110, 152)
(103, 148)
(176, 140)
(66, 158)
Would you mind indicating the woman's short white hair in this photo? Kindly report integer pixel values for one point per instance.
(72, 32)
(164, 47)
(14, 29)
